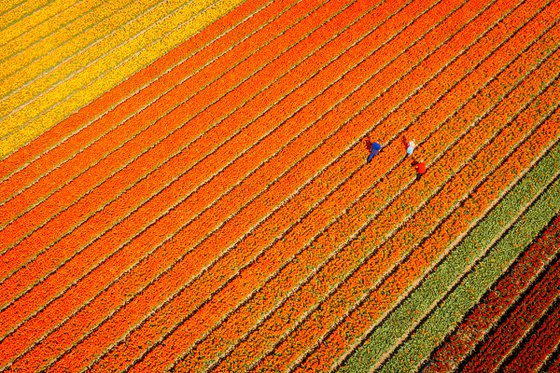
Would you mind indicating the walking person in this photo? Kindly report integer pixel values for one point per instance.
(410, 146)
(374, 150)
(420, 168)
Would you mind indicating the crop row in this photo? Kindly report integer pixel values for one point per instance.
(56, 41)
(553, 364)
(13, 11)
(316, 321)
(539, 345)
(105, 70)
(286, 284)
(29, 31)
(468, 291)
(518, 277)
(515, 323)
(63, 141)
(110, 167)
(191, 206)
(387, 332)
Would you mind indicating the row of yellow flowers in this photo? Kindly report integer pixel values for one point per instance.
(38, 95)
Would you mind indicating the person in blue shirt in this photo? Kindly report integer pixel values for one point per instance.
(374, 150)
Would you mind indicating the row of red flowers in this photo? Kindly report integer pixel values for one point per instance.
(511, 328)
(536, 349)
(540, 345)
(494, 304)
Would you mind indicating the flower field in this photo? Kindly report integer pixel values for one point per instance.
(184, 185)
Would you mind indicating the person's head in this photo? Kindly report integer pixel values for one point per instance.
(376, 146)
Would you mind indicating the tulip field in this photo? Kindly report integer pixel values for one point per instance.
(184, 185)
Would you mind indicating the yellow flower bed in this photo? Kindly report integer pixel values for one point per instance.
(52, 97)
(49, 28)
(74, 54)
(13, 11)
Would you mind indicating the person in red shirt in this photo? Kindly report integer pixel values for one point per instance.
(420, 169)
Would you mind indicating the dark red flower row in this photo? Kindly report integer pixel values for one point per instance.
(493, 305)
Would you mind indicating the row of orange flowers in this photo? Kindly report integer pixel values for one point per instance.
(185, 211)
(139, 135)
(283, 283)
(62, 249)
(141, 192)
(300, 146)
(472, 329)
(318, 322)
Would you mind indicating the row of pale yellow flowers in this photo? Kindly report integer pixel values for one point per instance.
(47, 75)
